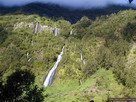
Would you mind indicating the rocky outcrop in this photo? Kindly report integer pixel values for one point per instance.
(37, 27)
(23, 24)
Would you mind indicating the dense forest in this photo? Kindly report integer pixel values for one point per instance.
(99, 60)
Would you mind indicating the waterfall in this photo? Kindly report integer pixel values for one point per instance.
(81, 56)
(71, 32)
(56, 31)
(29, 59)
(84, 62)
(50, 77)
(80, 82)
(36, 28)
(27, 55)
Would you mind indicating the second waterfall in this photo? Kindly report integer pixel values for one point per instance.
(50, 77)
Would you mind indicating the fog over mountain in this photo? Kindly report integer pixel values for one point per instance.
(86, 4)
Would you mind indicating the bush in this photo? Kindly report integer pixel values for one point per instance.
(20, 88)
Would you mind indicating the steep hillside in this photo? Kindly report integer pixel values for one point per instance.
(99, 59)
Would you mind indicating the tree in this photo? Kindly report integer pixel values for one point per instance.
(80, 27)
(91, 67)
(130, 31)
(104, 58)
(20, 88)
(65, 27)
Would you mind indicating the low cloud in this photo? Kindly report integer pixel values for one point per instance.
(86, 4)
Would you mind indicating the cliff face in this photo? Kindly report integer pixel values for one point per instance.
(31, 25)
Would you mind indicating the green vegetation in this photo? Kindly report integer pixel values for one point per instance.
(107, 70)
(20, 88)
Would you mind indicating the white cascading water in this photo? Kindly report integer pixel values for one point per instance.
(36, 28)
(84, 62)
(56, 31)
(71, 32)
(81, 56)
(27, 55)
(50, 77)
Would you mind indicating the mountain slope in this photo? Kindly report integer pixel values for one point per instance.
(56, 12)
(105, 45)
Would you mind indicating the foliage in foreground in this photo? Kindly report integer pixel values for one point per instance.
(20, 87)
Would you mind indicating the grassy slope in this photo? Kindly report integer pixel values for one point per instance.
(92, 88)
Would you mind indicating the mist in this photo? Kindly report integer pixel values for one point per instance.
(84, 4)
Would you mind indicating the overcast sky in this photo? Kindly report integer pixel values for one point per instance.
(71, 3)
